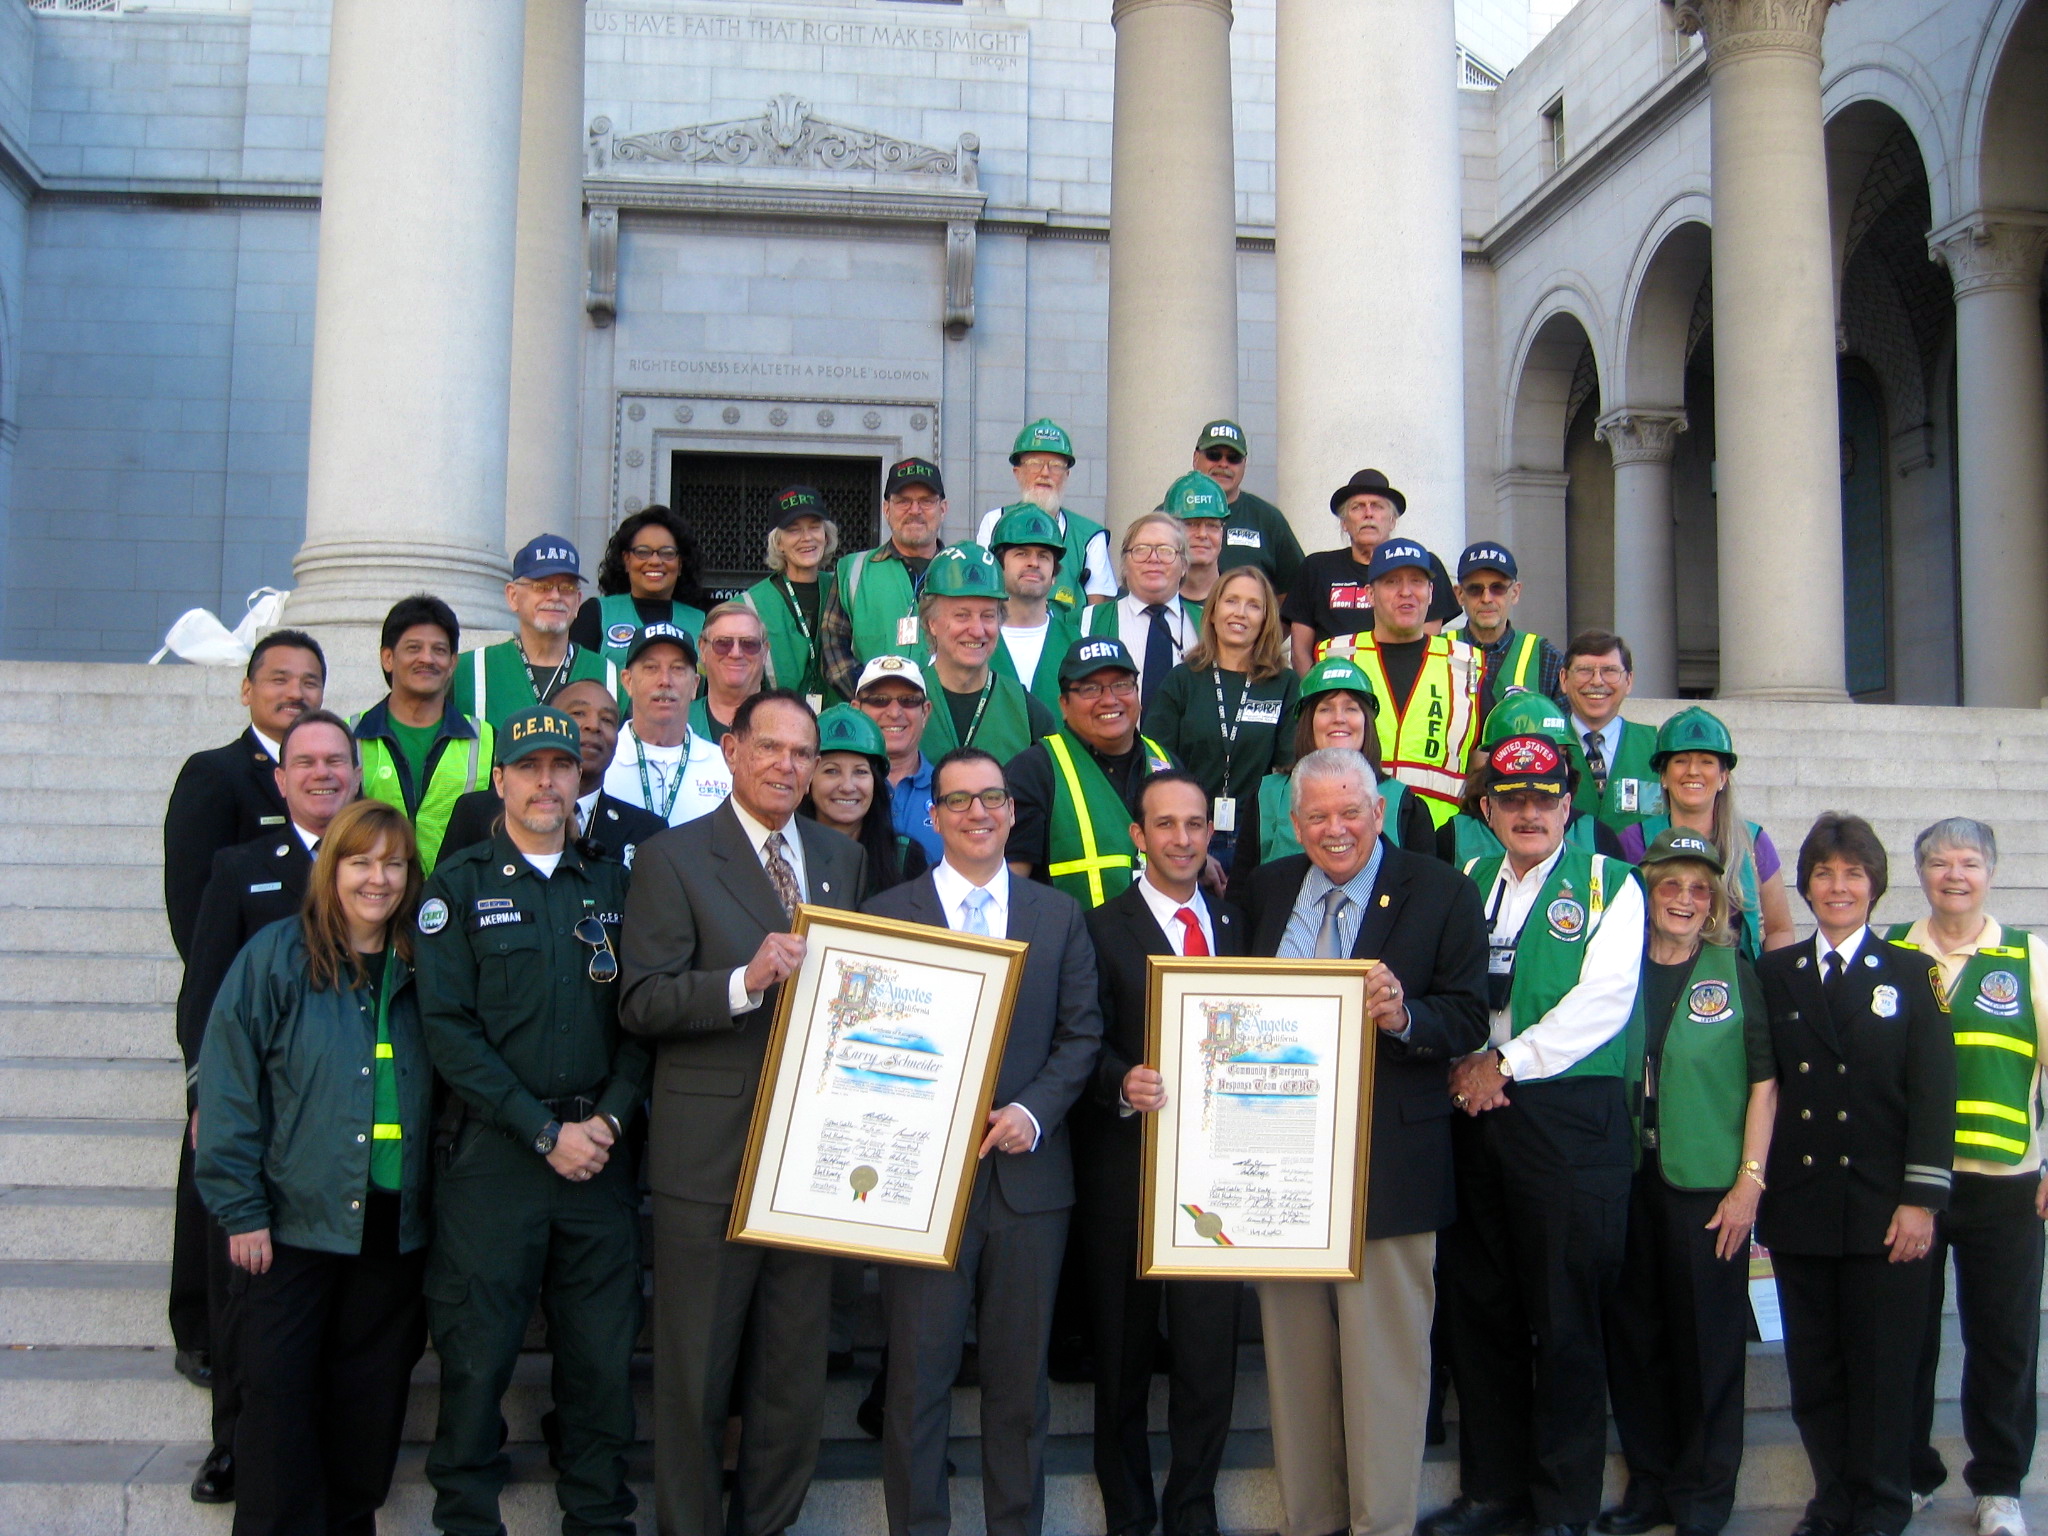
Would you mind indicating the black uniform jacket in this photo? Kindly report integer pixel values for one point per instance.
(615, 826)
(1109, 1145)
(1866, 1098)
(253, 884)
(1425, 924)
(222, 797)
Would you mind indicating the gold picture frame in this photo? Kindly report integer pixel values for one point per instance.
(886, 1044)
(1257, 1167)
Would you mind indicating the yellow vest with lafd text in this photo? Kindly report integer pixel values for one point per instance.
(1426, 739)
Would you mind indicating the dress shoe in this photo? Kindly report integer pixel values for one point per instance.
(1465, 1516)
(215, 1483)
(1814, 1525)
(1562, 1528)
(1699, 1530)
(1633, 1516)
(193, 1365)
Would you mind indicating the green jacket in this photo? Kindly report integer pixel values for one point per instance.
(458, 762)
(618, 618)
(492, 685)
(511, 1014)
(1551, 951)
(1188, 716)
(795, 658)
(1633, 790)
(1702, 1074)
(287, 1100)
(1010, 720)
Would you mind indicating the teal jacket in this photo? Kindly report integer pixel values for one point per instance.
(286, 1101)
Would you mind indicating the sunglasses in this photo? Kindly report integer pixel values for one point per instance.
(1222, 456)
(604, 960)
(957, 800)
(1486, 589)
(729, 645)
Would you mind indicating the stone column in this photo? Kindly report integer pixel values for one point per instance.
(1645, 603)
(2001, 454)
(1777, 426)
(1371, 330)
(1172, 244)
(413, 312)
(547, 282)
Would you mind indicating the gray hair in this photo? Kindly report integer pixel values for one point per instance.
(778, 563)
(1328, 765)
(1956, 832)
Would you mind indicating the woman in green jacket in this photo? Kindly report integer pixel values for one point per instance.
(802, 545)
(649, 575)
(315, 1128)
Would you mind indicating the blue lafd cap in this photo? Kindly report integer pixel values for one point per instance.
(548, 555)
(1394, 555)
(1487, 556)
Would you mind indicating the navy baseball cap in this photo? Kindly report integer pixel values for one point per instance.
(914, 472)
(548, 555)
(1485, 556)
(1394, 555)
(663, 634)
(1094, 654)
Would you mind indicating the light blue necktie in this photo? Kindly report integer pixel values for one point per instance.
(977, 904)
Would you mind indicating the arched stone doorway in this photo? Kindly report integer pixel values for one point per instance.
(1556, 502)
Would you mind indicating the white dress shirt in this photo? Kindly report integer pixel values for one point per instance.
(737, 996)
(952, 887)
(1595, 1010)
(275, 749)
(1101, 578)
(310, 839)
(1848, 949)
(1134, 627)
(706, 778)
(1609, 734)
(1162, 907)
(586, 807)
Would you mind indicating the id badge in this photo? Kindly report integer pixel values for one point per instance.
(1500, 973)
(906, 630)
(1631, 795)
(1225, 817)
(816, 701)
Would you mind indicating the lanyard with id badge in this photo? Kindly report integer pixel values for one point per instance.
(1250, 711)
(1500, 953)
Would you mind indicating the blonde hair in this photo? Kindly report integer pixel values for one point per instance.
(1269, 656)
(731, 610)
(1731, 839)
(779, 562)
(357, 829)
(1718, 929)
(1164, 520)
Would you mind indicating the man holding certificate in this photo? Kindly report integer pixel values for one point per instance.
(1016, 1226)
(1348, 1362)
(706, 942)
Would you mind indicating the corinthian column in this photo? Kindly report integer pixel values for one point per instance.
(1172, 243)
(2001, 454)
(547, 282)
(1777, 426)
(412, 320)
(1371, 332)
(1645, 604)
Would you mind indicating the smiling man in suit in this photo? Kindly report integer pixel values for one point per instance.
(705, 944)
(1348, 1362)
(1016, 1227)
(1162, 912)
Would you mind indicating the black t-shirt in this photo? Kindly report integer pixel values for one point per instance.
(1331, 597)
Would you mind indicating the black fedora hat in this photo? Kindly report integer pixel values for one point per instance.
(1367, 482)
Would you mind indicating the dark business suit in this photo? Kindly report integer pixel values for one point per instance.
(616, 826)
(1010, 1246)
(1348, 1363)
(1201, 1315)
(222, 797)
(699, 906)
(1866, 1123)
(252, 885)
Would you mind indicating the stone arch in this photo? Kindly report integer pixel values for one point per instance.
(1555, 384)
(2003, 159)
(1665, 284)
(1878, 75)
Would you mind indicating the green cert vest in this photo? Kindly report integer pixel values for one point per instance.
(1633, 789)
(1061, 633)
(1997, 1044)
(455, 766)
(1474, 839)
(1101, 620)
(499, 688)
(1067, 591)
(618, 620)
(1005, 727)
(878, 595)
(1552, 948)
(794, 659)
(1089, 853)
(1750, 920)
(1276, 824)
(1521, 664)
(1702, 1077)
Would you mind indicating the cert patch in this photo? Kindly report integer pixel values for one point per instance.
(1999, 994)
(1566, 917)
(433, 915)
(619, 634)
(1260, 712)
(1709, 1002)
(1884, 1001)
(1243, 538)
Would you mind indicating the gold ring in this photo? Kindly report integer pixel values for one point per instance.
(1458, 1099)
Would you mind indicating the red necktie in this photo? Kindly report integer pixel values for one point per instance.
(1195, 946)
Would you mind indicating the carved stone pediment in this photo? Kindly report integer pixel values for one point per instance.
(787, 136)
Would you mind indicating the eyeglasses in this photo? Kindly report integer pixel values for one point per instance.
(1597, 674)
(604, 960)
(957, 800)
(554, 586)
(1222, 456)
(1154, 551)
(1486, 589)
(1122, 688)
(666, 554)
(729, 645)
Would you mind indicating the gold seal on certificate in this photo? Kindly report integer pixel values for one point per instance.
(876, 1089)
(1256, 1167)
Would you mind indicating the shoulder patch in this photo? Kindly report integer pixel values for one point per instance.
(433, 915)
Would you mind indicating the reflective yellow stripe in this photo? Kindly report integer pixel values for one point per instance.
(1985, 1037)
(1986, 1107)
(385, 1133)
(1092, 861)
(383, 1050)
(1986, 1139)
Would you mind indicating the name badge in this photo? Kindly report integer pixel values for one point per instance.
(268, 885)
(816, 701)
(1259, 712)
(906, 630)
(269, 821)
(1243, 538)
(1224, 818)
(1630, 794)
(497, 919)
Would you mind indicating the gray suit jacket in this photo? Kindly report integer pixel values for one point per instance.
(699, 906)
(1055, 1030)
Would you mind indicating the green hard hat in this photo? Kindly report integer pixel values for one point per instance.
(842, 728)
(1525, 712)
(1194, 494)
(1043, 436)
(1335, 674)
(964, 570)
(1025, 523)
(1692, 730)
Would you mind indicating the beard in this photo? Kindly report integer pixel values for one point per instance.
(1044, 497)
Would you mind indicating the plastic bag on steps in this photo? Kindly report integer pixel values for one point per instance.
(202, 639)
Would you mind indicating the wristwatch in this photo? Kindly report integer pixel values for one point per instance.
(550, 1133)
(1500, 1062)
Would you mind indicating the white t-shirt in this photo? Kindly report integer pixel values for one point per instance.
(1025, 647)
(545, 863)
(694, 773)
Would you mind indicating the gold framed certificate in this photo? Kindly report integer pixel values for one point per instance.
(1256, 1168)
(875, 1093)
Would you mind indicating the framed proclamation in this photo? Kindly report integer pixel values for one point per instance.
(1256, 1168)
(875, 1093)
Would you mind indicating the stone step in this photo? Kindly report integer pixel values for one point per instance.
(83, 845)
(127, 806)
(59, 929)
(103, 1303)
(85, 888)
(44, 977)
(89, 1154)
(140, 766)
(118, 1030)
(91, 1088)
(40, 1222)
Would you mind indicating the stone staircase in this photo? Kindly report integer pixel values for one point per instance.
(99, 1436)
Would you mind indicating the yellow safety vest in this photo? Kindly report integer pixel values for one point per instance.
(1426, 740)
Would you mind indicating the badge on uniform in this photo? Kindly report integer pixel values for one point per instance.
(269, 821)
(1999, 994)
(620, 634)
(1566, 917)
(267, 885)
(1630, 794)
(1259, 712)
(906, 630)
(1243, 538)
(1710, 1002)
(433, 915)
(495, 904)
(1884, 1001)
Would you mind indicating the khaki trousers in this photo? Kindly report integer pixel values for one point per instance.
(1347, 1373)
